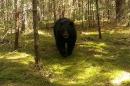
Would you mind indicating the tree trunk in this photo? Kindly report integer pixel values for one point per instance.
(88, 13)
(73, 10)
(119, 9)
(36, 36)
(93, 14)
(108, 11)
(54, 10)
(82, 15)
(23, 18)
(98, 20)
(16, 43)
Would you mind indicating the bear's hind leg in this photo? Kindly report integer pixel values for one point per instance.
(70, 47)
(61, 48)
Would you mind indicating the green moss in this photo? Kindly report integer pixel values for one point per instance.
(95, 62)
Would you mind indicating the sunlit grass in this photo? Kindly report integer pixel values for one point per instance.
(24, 57)
(45, 33)
(119, 77)
(16, 69)
(89, 33)
(95, 62)
(78, 78)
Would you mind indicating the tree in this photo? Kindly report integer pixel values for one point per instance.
(119, 9)
(54, 10)
(23, 17)
(36, 35)
(98, 20)
(16, 15)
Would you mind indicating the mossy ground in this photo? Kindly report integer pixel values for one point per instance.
(95, 62)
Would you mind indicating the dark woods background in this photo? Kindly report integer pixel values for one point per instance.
(83, 12)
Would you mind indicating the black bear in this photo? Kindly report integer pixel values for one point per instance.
(65, 36)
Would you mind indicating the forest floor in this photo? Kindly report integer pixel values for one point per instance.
(95, 62)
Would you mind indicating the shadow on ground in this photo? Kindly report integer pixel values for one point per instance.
(95, 62)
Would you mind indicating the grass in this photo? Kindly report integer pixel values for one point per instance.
(95, 62)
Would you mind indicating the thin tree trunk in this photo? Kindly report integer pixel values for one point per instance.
(82, 15)
(23, 18)
(108, 11)
(73, 10)
(98, 20)
(16, 43)
(88, 13)
(36, 36)
(93, 16)
(54, 10)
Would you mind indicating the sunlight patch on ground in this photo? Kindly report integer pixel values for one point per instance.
(94, 44)
(72, 82)
(121, 30)
(112, 31)
(80, 77)
(102, 44)
(28, 41)
(17, 56)
(44, 33)
(98, 56)
(21, 57)
(121, 77)
(59, 69)
(124, 31)
(88, 72)
(97, 47)
(29, 31)
(89, 33)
